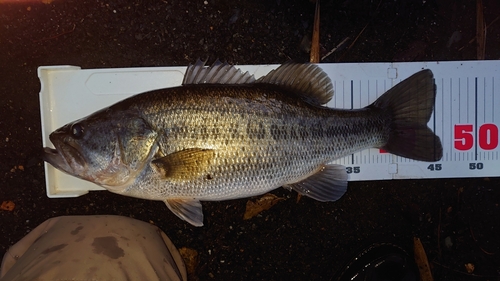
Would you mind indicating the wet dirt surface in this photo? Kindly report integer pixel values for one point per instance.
(457, 220)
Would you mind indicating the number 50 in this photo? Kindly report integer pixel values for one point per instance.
(487, 136)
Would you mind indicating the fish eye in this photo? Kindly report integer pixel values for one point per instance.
(77, 130)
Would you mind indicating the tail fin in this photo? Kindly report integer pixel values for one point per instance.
(410, 104)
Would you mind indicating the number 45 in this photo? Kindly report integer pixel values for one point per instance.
(435, 167)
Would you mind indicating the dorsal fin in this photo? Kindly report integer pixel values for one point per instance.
(306, 80)
(218, 73)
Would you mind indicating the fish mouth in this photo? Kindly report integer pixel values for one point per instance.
(65, 158)
(54, 158)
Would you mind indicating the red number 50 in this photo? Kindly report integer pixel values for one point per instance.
(487, 136)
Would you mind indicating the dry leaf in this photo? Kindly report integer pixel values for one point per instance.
(469, 267)
(263, 203)
(190, 257)
(7, 206)
(421, 260)
(314, 55)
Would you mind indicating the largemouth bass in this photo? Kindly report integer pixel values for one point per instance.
(224, 135)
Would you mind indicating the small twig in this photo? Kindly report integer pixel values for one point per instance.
(357, 37)
(55, 36)
(475, 240)
(480, 30)
(361, 32)
(492, 22)
(335, 48)
(474, 39)
(439, 234)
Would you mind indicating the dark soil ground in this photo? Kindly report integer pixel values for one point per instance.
(307, 240)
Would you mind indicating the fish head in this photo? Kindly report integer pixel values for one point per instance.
(107, 148)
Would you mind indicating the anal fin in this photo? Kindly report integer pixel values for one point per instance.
(189, 210)
(328, 184)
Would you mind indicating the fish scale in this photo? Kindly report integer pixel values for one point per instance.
(302, 150)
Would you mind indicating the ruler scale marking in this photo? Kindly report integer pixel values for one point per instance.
(451, 121)
(352, 106)
(450, 102)
(368, 150)
(442, 118)
(484, 99)
(461, 114)
(475, 119)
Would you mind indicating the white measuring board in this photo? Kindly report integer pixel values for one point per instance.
(464, 117)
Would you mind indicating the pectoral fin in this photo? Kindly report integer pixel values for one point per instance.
(186, 164)
(328, 184)
(189, 210)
